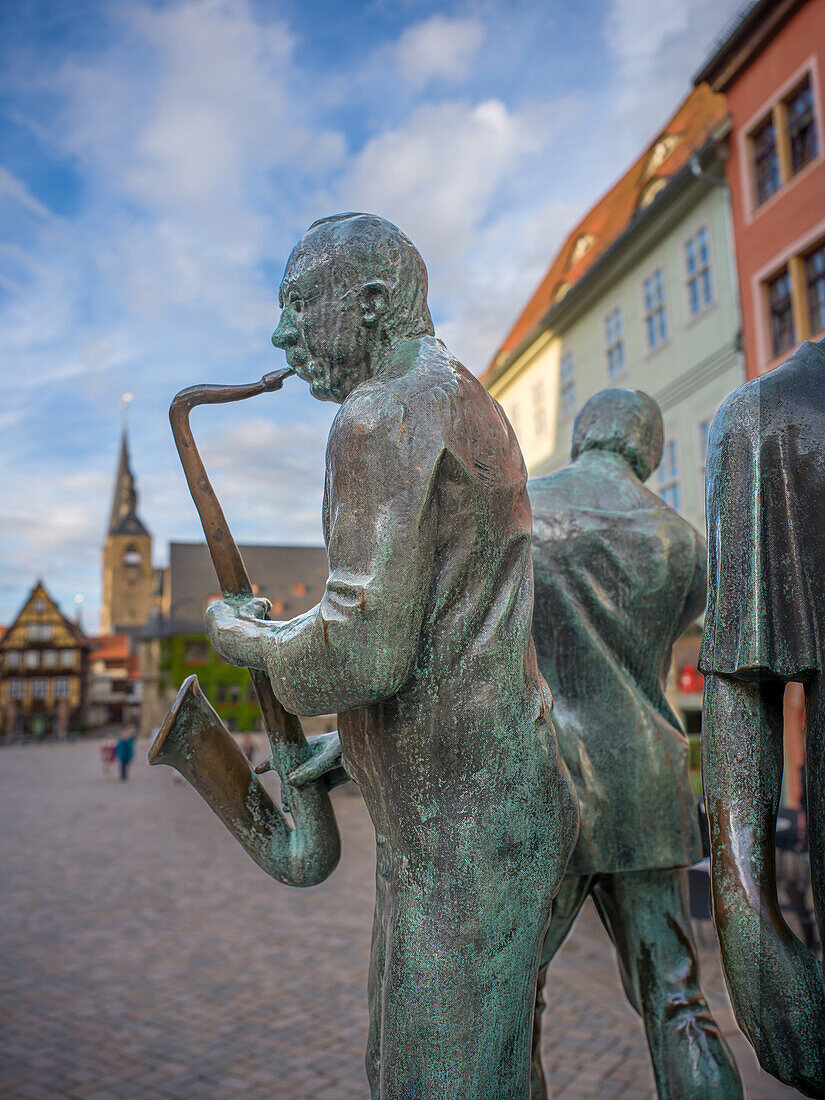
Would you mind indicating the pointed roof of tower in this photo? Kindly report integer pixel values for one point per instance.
(124, 519)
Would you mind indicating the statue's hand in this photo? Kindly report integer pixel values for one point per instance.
(326, 757)
(254, 608)
(778, 995)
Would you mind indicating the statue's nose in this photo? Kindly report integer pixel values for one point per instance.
(285, 335)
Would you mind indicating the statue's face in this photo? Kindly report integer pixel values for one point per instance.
(322, 328)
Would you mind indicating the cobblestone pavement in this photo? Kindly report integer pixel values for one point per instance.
(142, 954)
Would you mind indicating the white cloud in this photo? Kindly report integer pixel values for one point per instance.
(12, 189)
(440, 48)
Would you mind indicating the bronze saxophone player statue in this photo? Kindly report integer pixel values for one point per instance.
(421, 643)
(195, 741)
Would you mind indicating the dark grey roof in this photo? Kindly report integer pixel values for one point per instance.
(129, 525)
(275, 570)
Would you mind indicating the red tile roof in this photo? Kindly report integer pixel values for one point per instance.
(693, 123)
(110, 647)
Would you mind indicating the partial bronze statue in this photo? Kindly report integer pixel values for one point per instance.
(765, 627)
(619, 575)
(422, 645)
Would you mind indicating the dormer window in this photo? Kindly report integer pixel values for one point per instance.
(582, 246)
(561, 290)
(661, 151)
(651, 191)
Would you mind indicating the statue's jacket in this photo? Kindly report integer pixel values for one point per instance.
(422, 644)
(615, 586)
(766, 525)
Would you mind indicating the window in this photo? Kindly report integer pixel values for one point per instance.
(669, 475)
(655, 319)
(765, 160)
(61, 688)
(704, 435)
(39, 606)
(220, 693)
(32, 658)
(16, 689)
(569, 399)
(539, 410)
(801, 126)
(234, 693)
(298, 589)
(67, 658)
(131, 555)
(781, 312)
(815, 278)
(49, 658)
(40, 632)
(195, 653)
(697, 258)
(515, 418)
(615, 344)
(13, 659)
(39, 688)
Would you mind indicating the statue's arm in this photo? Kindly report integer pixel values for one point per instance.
(776, 985)
(359, 644)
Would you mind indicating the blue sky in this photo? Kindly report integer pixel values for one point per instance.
(159, 159)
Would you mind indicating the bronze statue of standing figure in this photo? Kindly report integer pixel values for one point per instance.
(619, 575)
(422, 645)
(765, 627)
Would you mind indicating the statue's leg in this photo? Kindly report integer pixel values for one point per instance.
(375, 982)
(566, 907)
(646, 915)
(459, 985)
(815, 776)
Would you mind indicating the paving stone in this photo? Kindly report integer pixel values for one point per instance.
(143, 956)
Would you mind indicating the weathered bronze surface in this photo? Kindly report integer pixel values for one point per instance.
(422, 644)
(765, 626)
(619, 575)
(193, 738)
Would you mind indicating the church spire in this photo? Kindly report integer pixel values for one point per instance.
(125, 496)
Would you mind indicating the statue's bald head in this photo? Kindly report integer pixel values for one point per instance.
(628, 422)
(363, 248)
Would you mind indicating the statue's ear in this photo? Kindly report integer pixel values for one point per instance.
(374, 299)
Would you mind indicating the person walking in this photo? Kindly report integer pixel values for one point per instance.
(124, 751)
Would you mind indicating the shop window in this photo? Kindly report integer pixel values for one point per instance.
(655, 317)
(615, 344)
(799, 108)
(765, 160)
(569, 395)
(669, 475)
(697, 259)
(539, 410)
(815, 279)
(780, 308)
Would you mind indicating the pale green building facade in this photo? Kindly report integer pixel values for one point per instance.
(657, 311)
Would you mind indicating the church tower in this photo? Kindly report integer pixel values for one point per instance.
(128, 580)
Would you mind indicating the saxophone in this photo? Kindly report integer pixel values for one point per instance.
(195, 741)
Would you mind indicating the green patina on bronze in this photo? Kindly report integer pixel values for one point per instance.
(422, 645)
(619, 575)
(765, 626)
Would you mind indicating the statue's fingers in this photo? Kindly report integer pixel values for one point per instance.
(328, 758)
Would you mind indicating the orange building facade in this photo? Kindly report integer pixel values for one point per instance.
(770, 69)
